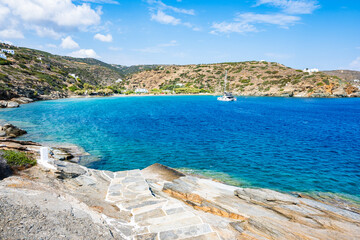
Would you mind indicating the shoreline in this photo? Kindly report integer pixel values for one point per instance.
(80, 152)
(73, 153)
(19, 102)
(160, 201)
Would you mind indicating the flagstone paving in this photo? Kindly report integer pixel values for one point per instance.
(153, 217)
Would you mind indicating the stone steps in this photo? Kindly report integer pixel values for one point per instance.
(152, 217)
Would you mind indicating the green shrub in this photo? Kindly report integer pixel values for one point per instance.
(326, 81)
(4, 62)
(16, 158)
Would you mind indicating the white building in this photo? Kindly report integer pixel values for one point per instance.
(8, 51)
(2, 56)
(141, 90)
(180, 84)
(119, 80)
(74, 76)
(313, 70)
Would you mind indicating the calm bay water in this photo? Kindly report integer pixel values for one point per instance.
(280, 143)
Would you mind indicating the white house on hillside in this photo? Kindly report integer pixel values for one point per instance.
(74, 76)
(141, 90)
(8, 51)
(313, 70)
(2, 56)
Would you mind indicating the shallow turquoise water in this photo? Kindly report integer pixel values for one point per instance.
(286, 144)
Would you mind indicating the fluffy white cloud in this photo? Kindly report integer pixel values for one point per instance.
(162, 6)
(69, 43)
(245, 22)
(103, 38)
(292, 6)
(102, 1)
(84, 53)
(355, 65)
(11, 33)
(237, 27)
(163, 18)
(276, 19)
(47, 18)
(158, 14)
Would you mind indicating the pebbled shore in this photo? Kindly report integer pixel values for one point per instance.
(74, 202)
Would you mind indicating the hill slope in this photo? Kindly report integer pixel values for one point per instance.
(244, 78)
(41, 75)
(33, 73)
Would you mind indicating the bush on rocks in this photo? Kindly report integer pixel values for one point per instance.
(18, 159)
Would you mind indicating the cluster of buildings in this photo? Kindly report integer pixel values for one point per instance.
(313, 70)
(141, 90)
(8, 51)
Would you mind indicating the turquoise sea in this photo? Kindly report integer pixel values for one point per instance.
(287, 144)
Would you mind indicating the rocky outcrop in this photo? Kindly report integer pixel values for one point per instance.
(22, 100)
(74, 202)
(11, 131)
(5, 170)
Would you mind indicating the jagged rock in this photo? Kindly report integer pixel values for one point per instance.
(5, 170)
(357, 94)
(12, 104)
(3, 104)
(339, 92)
(69, 170)
(22, 100)
(61, 154)
(12, 131)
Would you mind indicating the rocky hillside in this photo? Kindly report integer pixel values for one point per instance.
(36, 74)
(244, 78)
(40, 75)
(347, 75)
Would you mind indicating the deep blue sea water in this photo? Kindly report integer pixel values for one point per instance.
(287, 144)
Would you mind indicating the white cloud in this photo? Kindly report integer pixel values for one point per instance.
(46, 32)
(102, 1)
(11, 33)
(69, 43)
(84, 53)
(237, 27)
(163, 18)
(163, 6)
(355, 65)
(103, 38)
(245, 22)
(158, 14)
(276, 19)
(48, 18)
(292, 6)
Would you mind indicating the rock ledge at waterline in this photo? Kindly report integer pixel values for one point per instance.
(75, 202)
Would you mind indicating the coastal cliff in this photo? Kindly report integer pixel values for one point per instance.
(71, 201)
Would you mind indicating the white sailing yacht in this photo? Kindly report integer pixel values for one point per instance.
(228, 97)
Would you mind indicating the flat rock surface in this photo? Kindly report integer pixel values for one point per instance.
(74, 202)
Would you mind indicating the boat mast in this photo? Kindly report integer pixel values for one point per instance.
(225, 81)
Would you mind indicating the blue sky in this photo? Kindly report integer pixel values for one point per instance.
(322, 34)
